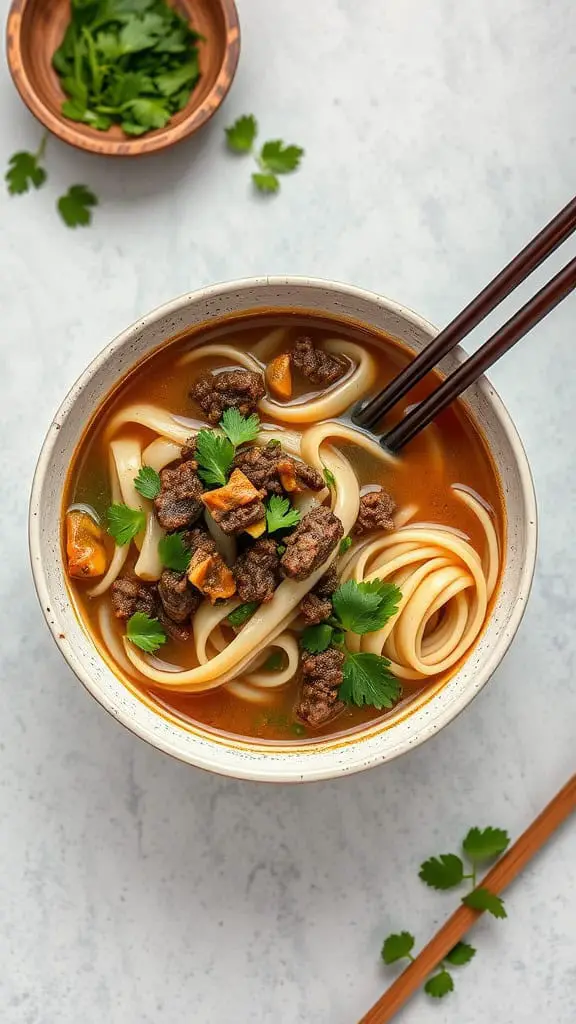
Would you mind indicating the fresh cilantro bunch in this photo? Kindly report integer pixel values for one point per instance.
(359, 608)
(274, 158)
(445, 872)
(127, 62)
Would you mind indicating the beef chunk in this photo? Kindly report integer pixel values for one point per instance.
(130, 596)
(311, 542)
(321, 678)
(179, 599)
(375, 512)
(178, 505)
(175, 630)
(229, 389)
(272, 470)
(199, 539)
(188, 451)
(257, 571)
(317, 366)
(316, 607)
(238, 519)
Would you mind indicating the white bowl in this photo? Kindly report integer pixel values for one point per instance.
(248, 759)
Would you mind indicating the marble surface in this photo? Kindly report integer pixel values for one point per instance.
(134, 890)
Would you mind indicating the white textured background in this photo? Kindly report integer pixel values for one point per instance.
(133, 890)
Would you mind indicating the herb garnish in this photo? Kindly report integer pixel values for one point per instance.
(329, 478)
(147, 482)
(274, 158)
(345, 544)
(214, 454)
(145, 633)
(25, 169)
(444, 872)
(280, 514)
(239, 429)
(124, 523)
(174, 553)
(242, 613)
(274, 662)
(368, 680)
(75, 206)
(127, 62)
(365, 607)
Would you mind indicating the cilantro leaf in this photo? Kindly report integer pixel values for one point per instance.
(174, 553)
(397, 947)
(145, 633)
(240, 135)
(266, 182)
(439, 985)
(239, 429)
(125, 522)
(274, 663)
(443, 872)
(483, 899)
(140, 33)
(280, 549)
(242, 613)
(345, 544)
(484, 844)
(280, 514)
(23, 171)
(214, 454)
(461, 954)
(147, 482)
(149, 112)
(368, 680)
(365, 607)
(278, 158)
(317, 638)
(329, 478)
(172, 81)
(74, 206)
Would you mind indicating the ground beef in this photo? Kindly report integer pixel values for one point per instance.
(178, 505)
(237, 519)
(375, 512)
(129, 596)
(316, 606)
(318, 367)
(311, 542)
(321, 679)
(229, 389)
(262, 466)
(179, 598)
(257, 571)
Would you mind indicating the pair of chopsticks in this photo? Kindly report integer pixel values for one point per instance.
(510, 865)
(556, 232)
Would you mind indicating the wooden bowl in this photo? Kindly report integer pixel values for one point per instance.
(35, 29)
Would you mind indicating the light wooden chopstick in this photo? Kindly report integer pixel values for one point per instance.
(503, 872)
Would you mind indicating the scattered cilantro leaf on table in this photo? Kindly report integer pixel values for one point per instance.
(242, 613)
(460, 954)
(265, 182)
(25, 170)
(280, 514)
(75, 206)
(439, 985)
(443, 872)
(124, 523)
(484, 844)
(398, 947)
(147, 482)
(279, 158)
(483, 899)
(145, 633)
(239, 429)
(368, 680)
(214, 454)
(174, 553)
(240, 135)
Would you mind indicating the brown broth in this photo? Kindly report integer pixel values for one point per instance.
(452, 451)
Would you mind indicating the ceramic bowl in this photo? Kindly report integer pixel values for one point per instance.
(34, 31)
(295, 762)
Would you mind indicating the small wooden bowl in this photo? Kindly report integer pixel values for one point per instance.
(34, 31)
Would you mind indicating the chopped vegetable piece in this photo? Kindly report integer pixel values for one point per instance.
(345, 543)
(242, 613)
(211, 576)
(145, 633)
(257, 529)
(84, 546)
(279, 377)
(237, 492)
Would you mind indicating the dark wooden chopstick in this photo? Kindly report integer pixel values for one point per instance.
(544, 243)
(523, 321)
(510, 865)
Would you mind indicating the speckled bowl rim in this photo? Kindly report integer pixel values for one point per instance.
(325, 759)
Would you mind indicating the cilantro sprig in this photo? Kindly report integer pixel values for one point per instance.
(75, 206)
(239, 429)
(280, 514)
(147, 482)
(124, 522)
(242, 613)
(274, 158)
(215, 455)
(445, 872)
(145, 632)
(25, 170)
(174, 553)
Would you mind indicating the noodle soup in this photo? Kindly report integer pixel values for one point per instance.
(250, 563)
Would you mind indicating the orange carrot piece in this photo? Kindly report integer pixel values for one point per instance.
(287, 473)
(237, 492)
(279, 376)
(211, 576)
(257, 529)
(85, 547)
